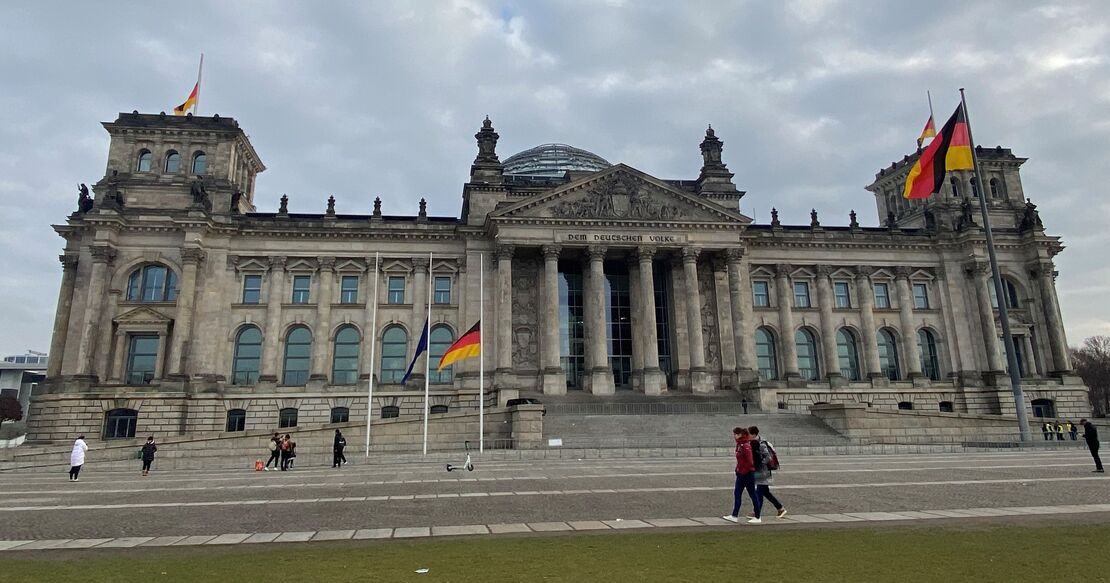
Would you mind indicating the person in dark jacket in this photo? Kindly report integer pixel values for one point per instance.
(762, 453)
(148, 454)
(745, 477)
(286, 447)
(337, 457)
(1090, 435)
(275, 452)
(1073, 429)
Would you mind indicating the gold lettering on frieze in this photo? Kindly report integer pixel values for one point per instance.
(618, 238)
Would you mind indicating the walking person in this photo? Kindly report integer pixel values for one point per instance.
(77, 457)
(766, 461)
(292, 452)
(1073, 429)
(1090, 435)
(745, 477)
(285, 452)
(1046, 428)
(1060, 430)
(275, 452)
(148, 455)
(337, 446)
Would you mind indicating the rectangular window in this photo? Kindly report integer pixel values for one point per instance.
(801, 294)
(882, 296)
(142, 355)
(843, 294)
(443, 290)
(396, 290)
(920, 296)
(301, 285)
(348, 289)
(761, 294)
(252, 289)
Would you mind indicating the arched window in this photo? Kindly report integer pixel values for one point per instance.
(287, 417)
(395, 343)
(152, 283)
(848, 352)
(888, 355)
(144, 162)
(200, 163)
(298, 355)
(344, 368)
(996, 188)
(248, 355)
(236, 420)
(974, 187)
(807, 355)
(391, 412)
(905, 406)
(946, 407)
(1011, 294)
(954, 184)
(1043, 408)
(441, 339)
(765, 354)
(927, 346)
(173, 162)
(437, 409)
(120, 423)
(340, 415)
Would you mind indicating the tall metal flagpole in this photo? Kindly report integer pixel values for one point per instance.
(428, 352)
(481, 353)
(1003, 312)
(373, 337)
(930, 98)
(200, 70)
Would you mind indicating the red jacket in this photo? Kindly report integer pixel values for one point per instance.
(744, 463)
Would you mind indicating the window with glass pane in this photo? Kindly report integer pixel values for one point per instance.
(301, 286)
(905, 406)
(340, 415)
(882, 296)
(344, 370)
(761, 294)
(843, 294)
(438, 409)
(120, 423)
(442, 290)
(298, 354)
(396, 290)
(173, 162)
(946, 407)
(252, 289)
(807, 355)
(801, 294)
(248, 354)
(142, 355)
(145, 159)
(236, 420)
(287, 418)
(888, 355)
(766, 359)
(395, 342)
(348, 289)
(152, 283)
(920, 296)
(441, 339)
(848, 354)
(200, 163)
(927, 346)
(391, 412)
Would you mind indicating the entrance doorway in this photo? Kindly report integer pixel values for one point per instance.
(572, 327)
(618, 312)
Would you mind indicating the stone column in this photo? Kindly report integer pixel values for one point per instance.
(1030, 360)
(554, 379)
(503, 377)
(680, 350)
(700, 381)
(654, 381)
(272, 334)
(980, 272)
(911, 353)
(322, 335)
(634, 304)
(597, 333)
(785, 293)
(1045, 273)
(419, 293)
(102, 256)
(61, 315)
(867, 321)
(160, 359)
(191, 257)
(828, 325)
(115, 372)
(740, 298)
(373, 298)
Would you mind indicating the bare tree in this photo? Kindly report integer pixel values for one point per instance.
(1092, 364)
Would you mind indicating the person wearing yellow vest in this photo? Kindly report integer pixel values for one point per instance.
(1059, 431)
(1073, 429)
(1047, 429)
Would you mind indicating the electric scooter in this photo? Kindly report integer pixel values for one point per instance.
(467, 464)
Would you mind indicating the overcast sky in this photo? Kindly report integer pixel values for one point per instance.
(811, 98)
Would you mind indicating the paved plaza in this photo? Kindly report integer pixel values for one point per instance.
(378, 501)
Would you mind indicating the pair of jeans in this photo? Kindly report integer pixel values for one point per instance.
(146, 465)
(1093, 446)
(338, 457)
(73, 471)
(746, 482)
(764, 492)
(275, 456)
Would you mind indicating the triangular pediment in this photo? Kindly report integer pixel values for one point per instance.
(142, 315)
(620, 193)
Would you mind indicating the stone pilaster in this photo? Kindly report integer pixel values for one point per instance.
(785, 292)
(61, 314)
(504, 377)
(911, 353)
(191, 258)
(828, 326)
(420, 285)
(1044, 273)
(597, 333)
(321, 342)
(870, 340)
(700, 381)
(979, 272)
(102, 256)
(272, 335)
(654, 382)
(554, 378)
(371, 338)
(740, 299)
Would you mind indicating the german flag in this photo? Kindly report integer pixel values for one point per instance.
(952, 146)
(190, 102)
(930, 131)
(467, 346)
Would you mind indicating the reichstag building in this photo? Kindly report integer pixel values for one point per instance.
(183, 310)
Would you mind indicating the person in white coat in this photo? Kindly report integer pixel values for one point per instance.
(77, 457)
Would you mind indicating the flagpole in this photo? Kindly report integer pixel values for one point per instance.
(930, 97)
(200, 70)
(373, 336)
(1003, 312)
(481, 353)
(428, 349)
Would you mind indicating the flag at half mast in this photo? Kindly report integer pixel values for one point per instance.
(190, 102)
(950, 150)
(467, 346)
(930, 131)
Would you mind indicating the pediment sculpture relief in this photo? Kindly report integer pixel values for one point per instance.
(619, 198)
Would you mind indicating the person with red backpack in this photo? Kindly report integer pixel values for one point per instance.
(745, 477)
(766, 460)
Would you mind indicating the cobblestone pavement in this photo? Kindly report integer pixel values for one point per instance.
(115, 509)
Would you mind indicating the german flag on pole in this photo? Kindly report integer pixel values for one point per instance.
(191, 101)
(950, 150)
(930, 131)
(467, 346)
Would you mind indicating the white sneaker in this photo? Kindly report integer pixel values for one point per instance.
(76, 480)
(265, 469)
(782, 512)
(755, 521)
(730, 518)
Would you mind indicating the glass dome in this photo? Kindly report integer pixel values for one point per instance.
(553, 160)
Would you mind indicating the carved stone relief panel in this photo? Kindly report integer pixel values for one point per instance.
(621, 196)
(707, 288)
(526, 274)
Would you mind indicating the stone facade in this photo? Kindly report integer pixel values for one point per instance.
(181, 306)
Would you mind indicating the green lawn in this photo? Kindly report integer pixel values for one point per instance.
(899, 554)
